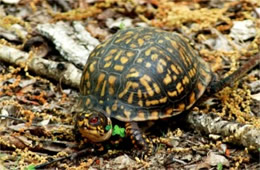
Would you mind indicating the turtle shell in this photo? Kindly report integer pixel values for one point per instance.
(143, 74)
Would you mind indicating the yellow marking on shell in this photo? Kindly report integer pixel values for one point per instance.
(188, 58)
(108, 111)
(118, 55)
(146, 77)
(200, 86)
(167, 79)
(92, 54)
(140, 103)
(107, 58)
(163, 62)
(127, 114)
(159, 68)
(128, 85)
(135, 85)
(111, 82)
(128, 40)
(122, 38)
(108, 64)
(183, 56)
(100, 79)
(123, 60)
(130, 54)
(190, 73)
(148, 65)
(103, 88)
(133, 45)
(155, 114)
(174, 77)
(118, 67)
(168, 111)
(151, 102)
(135, 74)
(92, 66)
(140, 60)
(154, 57)
(174, 44)
(179, 69)
(168, 58)
(140, 115)
(163, 100)
(130, 98)
(147, 37)
(144, 81)
(101, 101)
(135, 36)
(156, 88)
(174, 69)
(181, 107)
(86, 75)
(172, 93)
(185, 80)
(193, 72)
(170, 50)
(103, 44)
(160, 41)
(88, 84)
(192, 98)
(140, 42)
(139, 93)
(129, 33)
(114, 106)
(167, 38)
(113, 51)
(148, 52)
(87, 102)
(179, 87)
(132, 70)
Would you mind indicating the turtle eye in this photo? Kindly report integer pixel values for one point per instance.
(94, 120)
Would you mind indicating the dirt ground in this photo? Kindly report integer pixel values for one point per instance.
(37, 121)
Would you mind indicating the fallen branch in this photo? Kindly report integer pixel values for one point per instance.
(65, 72)
(237, 133)
(72, 41)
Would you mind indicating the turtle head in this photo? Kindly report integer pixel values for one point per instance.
(93, 125)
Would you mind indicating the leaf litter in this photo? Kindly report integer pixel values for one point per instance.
(36, 113)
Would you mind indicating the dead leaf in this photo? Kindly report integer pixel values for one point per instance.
(243, 30)
(256, 96)
(214, 159)
(124, 162)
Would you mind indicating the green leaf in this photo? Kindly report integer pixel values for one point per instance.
(30, 167)
(108, 127)
(122, 26)
(258, 149)
(118, 131)
(220, 166)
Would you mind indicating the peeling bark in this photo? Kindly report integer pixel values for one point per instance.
(237, 133)
(73, 42)
(65, 72)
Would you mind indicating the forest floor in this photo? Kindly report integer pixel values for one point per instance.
(37, 121)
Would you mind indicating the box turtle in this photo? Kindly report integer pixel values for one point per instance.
(139, 74)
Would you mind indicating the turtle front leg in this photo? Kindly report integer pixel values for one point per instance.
(138, 138)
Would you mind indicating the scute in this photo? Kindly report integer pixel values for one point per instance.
(143, 74)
